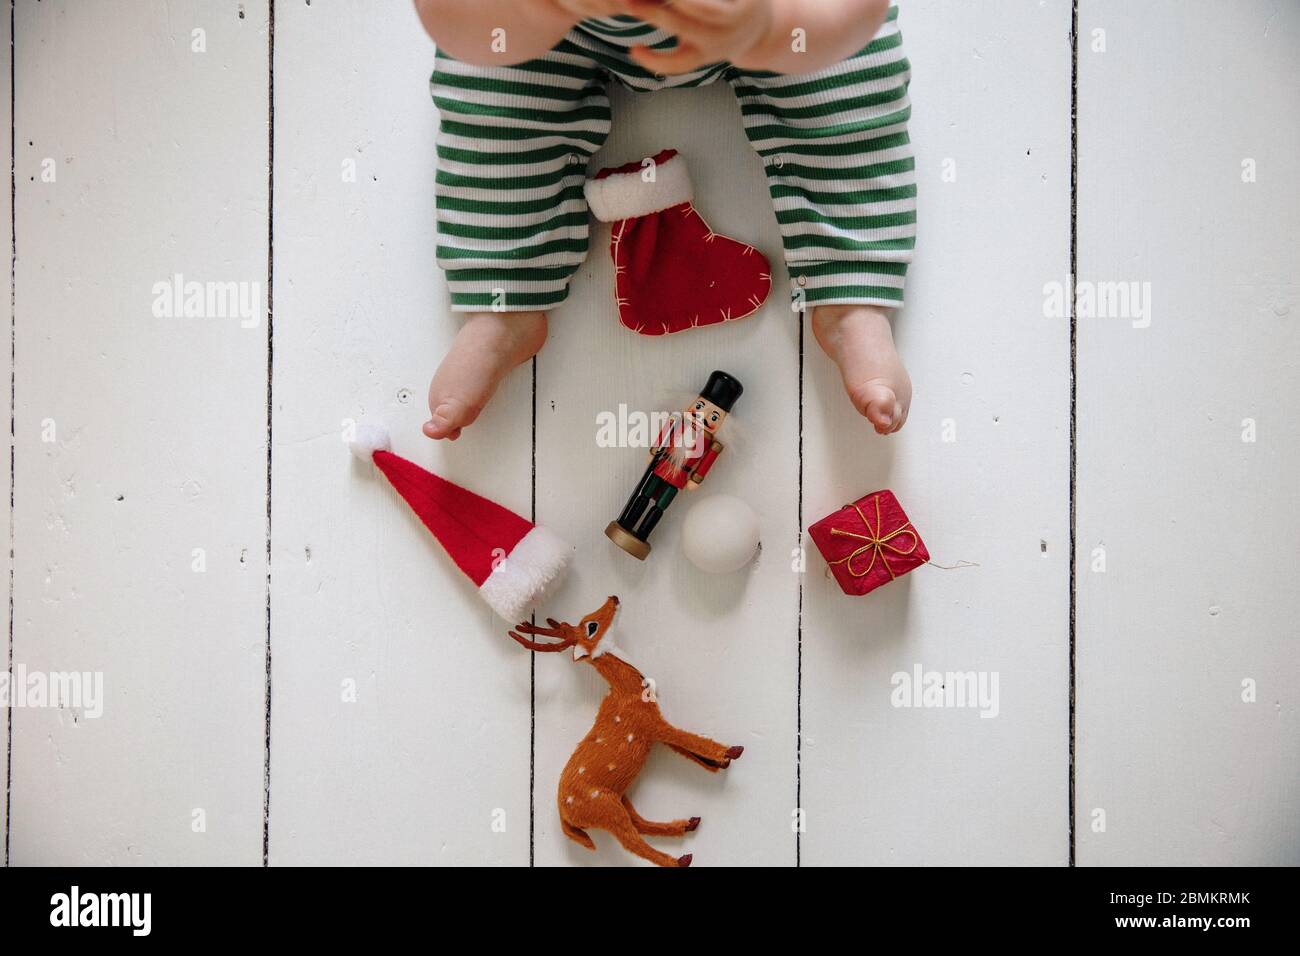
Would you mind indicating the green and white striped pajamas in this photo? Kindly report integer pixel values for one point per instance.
(514, 145)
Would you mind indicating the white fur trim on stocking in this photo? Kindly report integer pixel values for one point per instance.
(369, 438)
(627, 195)
(539, 560)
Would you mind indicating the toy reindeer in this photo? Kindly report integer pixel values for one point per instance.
(607, 761)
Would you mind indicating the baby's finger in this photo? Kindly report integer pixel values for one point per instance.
(681, 59)
(581, 8)
(589, 8)
(664, 17)
(717, 12)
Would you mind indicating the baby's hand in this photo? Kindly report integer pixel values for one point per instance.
(707, 31)
(757, 34)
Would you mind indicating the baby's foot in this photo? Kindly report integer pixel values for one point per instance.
(858, 338)
(487, 346)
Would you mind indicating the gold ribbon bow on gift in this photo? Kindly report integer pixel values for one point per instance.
(876, 543)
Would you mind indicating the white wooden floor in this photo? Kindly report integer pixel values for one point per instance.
(212, 581)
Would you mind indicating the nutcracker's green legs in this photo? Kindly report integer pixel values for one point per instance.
(647, 504)
(661, 494)
(640, 498)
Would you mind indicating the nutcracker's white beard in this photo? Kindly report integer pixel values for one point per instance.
(688, 441)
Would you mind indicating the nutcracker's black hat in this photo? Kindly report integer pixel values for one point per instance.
(722, 390)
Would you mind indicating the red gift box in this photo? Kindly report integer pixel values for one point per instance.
(869, 543)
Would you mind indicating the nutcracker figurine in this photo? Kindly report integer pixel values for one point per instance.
(682, 455)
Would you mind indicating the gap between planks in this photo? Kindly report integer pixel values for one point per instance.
(270, 380)
(13, 367)
(1074, 384)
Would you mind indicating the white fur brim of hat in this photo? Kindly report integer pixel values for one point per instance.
(627, 195)
(538, 561)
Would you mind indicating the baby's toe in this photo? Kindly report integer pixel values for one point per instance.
(900, 417)
(432, 432)
(449, 417)
(878, 403)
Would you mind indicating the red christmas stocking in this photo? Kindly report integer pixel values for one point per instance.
(672, 271)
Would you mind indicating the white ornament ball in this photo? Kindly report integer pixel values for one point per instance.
(720, 534)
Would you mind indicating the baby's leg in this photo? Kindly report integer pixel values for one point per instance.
(841, 173)
(513, 146)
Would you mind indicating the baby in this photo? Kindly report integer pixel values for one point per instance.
(520, 85)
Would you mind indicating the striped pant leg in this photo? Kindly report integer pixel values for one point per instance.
(841, 171)
(513, 146)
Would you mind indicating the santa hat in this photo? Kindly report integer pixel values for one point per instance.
(510, 560)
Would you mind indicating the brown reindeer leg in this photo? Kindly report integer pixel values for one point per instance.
(576, 835)
(709, 754)
(624, 830)
(649, 827)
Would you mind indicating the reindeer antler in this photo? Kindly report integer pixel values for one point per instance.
(557, 629)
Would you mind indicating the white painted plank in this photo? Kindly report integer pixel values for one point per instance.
(721, 649)
(140, 439)
(892, 785)
(6, 369)
(1197, 523)
(436, 743)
